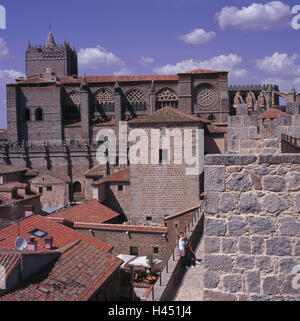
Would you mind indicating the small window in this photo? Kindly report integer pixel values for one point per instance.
(134, 251)
(163, 131)
(163, 156)
(38, 233)
(49, 188)
(155, 250)
(41, 190)
(176, 225)
(120, 188)
(149, 218)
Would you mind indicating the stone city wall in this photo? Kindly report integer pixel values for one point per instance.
(252, 227)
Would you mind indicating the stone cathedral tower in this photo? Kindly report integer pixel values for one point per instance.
(61, 59)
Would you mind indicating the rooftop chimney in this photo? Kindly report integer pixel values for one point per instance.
(28, 210)
(49, 242)
(32, 245)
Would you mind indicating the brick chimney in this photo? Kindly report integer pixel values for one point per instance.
(49, 242)
(28, 210)
(32, 245)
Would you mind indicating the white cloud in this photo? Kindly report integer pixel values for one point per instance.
(284, 85)
(281, 69)
(145, 61)
(274, 14)
(222, 63)
(8, 75)
(280, 64)
(239, 73)
(4, 51)
(97, 57)
(123, 72)
(197, 36)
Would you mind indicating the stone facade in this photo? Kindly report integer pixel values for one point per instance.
(146, 242)
(252, 227)
(159, 190)
(247, 133)
(60, 59)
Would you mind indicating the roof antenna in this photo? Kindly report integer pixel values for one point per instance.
(50, 28)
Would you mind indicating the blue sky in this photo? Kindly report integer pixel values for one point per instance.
(254, 40)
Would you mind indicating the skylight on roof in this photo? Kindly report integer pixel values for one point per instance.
(38, 233)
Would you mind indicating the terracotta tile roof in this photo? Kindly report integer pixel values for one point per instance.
(203, 71)
(61, 234)
(167, 115)
(9, 260)
(271, 113)
(112, 79)
(63, 177)
(8, 169)
(90, 212)
(96, 171)
(185, 210)
(76, 275)
(11, 186)
(21, 197)
(120, 176)
(34, 79)
(124, 228)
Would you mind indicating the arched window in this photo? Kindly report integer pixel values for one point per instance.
(105, 101)
(72, 107)
(166, 97)
(27, 114)
(39, 114)
(136, 101)
(77, 187)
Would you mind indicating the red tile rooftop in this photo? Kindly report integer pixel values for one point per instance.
(112, 79)
(76, 275)
(168, 115)
(61, 234)
(97, 171)
(63, 177)
(271, 114)
(9, 260)
(120, 176)
(90, 212)
(185, 210)
(12, 186)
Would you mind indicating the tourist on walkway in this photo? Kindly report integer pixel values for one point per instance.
(182, 249)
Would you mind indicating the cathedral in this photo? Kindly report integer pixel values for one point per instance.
(54, 104)
(54, 114)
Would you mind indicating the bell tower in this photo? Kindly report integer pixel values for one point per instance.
(61, 59)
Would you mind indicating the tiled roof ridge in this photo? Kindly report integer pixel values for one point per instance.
(151, 118)
(68, 247)
(185, 210)
(271, 113)
(112, 177)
